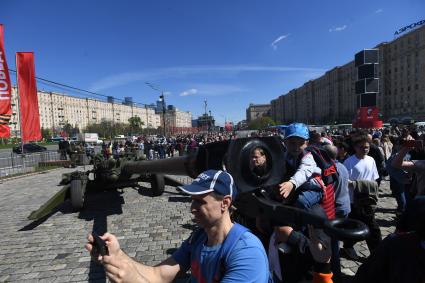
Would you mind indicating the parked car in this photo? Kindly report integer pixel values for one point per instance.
(55, 139)
(29, 148)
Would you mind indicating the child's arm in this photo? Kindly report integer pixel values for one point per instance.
(305, 170)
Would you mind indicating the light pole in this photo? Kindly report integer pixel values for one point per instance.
(162, 99)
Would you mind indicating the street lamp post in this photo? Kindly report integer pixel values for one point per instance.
(163, 110)
(162, 98)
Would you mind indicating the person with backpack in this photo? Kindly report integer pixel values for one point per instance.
(220, 251)
(304, 187)
(301, 169)
(342, 208)
(362, 167)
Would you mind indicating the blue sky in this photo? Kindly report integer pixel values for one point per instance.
(230, 53)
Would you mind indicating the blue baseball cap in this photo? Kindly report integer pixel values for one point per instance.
(297, 130)
(208, 181)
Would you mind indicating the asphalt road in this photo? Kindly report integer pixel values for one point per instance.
(7, 152)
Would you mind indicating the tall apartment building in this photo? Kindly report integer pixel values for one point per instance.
(57, 109)
(255, 111)
(331, 98)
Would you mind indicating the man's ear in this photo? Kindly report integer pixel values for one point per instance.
(226, 203)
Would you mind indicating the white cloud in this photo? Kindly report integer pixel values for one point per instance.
(187, 71)
(191, 91)
(274, 43)
(379, 11)
(337, 29)
(219, 89)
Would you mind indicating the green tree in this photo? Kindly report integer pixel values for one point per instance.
(135, 126)
(107, 129)
(261, 123)
(46, 133)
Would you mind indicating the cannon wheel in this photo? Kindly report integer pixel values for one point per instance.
(157, 184)
(77, 194)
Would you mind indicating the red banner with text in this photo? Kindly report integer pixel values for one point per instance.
(5, 91)
(28, 102)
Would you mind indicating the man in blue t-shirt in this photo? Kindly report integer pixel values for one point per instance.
(221, 251)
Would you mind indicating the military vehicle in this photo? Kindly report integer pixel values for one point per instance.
(232, 156)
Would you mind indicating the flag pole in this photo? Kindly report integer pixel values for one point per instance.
(19, 103)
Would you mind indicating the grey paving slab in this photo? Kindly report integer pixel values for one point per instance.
(53, 250)
(385, 216)
(149, 229)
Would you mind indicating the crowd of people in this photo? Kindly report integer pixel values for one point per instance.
(343, 184)
(160, 147)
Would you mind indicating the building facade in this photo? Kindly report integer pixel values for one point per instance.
(255, 111)
(331, 98)
(58, 109)
(177, 122)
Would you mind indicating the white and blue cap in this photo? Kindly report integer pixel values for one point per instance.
(208, 181)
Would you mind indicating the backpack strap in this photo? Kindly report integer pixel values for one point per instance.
(229, 243)
(196, 235)
(231, 240)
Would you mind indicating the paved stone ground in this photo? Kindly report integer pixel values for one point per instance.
(149, 229)
(385, 215)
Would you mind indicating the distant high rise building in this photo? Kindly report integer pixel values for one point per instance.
(128, 101)
(57, 109)
(160, 106)
(332, 99)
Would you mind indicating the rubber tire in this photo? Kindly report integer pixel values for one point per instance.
(77, 195)
(157, 184)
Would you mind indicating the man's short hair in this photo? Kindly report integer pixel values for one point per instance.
(359, 139)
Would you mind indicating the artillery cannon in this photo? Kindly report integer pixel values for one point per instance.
(107, 174)
(232, 156)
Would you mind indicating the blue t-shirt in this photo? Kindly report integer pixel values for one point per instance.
(247, 261)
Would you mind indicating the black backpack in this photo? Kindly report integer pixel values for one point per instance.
(324, 162)
(329, 177)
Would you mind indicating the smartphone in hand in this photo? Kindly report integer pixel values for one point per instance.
(99, 246)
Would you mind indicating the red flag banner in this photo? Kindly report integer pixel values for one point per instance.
(30, 118)
(5, 91)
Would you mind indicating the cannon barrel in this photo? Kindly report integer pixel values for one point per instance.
(232, 156)
(174, 166)
(210, 156)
